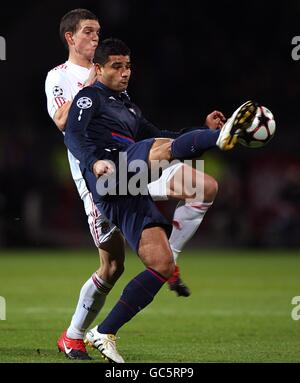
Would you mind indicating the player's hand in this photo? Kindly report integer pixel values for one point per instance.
(92, 77)
(215, 120)
(101, 167)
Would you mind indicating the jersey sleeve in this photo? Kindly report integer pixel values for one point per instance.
(78, 140)
(57, 91)
(148, 130)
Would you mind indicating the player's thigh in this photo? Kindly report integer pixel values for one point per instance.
(112, 258)
(178, 181)
(155, 252)
(113, 249)
(191, 183)
(158, 189)
(161, 149)
(183, 182)
(100, 228)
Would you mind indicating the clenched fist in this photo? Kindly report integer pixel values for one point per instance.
(215, 120)
(101, 167)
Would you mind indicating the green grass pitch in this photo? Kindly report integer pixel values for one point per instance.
(239, 310)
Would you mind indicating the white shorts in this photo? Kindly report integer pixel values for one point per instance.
(101, 229)
(158, 189)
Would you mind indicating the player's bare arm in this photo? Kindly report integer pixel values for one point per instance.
(61, 115)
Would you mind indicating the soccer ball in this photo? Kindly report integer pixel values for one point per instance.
(262, 129)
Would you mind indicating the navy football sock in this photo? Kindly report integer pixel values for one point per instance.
(194, 144)
(139, 292)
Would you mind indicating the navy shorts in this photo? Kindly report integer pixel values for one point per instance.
(131, 214)
(135, 151)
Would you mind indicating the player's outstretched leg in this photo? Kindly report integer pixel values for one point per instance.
(240, 120)
(194, 143)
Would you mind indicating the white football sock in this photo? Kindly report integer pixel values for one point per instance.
(186, 220)
(91, 299)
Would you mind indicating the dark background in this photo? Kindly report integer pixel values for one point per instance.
(189, 58)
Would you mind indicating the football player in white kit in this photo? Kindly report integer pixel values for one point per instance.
(79, 30)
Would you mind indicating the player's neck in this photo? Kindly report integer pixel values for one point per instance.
(79, 60)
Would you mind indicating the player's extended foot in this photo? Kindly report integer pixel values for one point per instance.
(175, 284)
(105, 343)
(240, 120)
(72, 348)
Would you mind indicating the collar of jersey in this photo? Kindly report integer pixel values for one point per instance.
(107, 90)
(78, 67)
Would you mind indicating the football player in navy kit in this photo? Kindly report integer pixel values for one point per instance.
(102, 123)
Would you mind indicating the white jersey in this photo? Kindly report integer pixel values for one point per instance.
(62, 84)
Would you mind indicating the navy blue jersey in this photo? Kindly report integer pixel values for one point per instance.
(102, 122)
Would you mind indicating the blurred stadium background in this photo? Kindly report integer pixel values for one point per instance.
(187, 62)
(189, 58)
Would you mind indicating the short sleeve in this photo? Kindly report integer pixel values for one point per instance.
(57, 91)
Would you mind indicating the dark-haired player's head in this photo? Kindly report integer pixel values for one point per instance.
(111, 47)
(112, 59)
(79, 31)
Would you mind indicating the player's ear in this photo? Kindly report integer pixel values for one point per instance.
(98, 68)
(69, 38)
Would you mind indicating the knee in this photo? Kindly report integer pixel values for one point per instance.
(210, 189)
(155, 252)
(111, 270)
(166, 269)
(164, 264)
(116, 269)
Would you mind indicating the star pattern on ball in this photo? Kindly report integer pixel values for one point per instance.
(263, 120)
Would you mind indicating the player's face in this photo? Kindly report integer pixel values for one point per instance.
(86, 38)
(115, 74)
